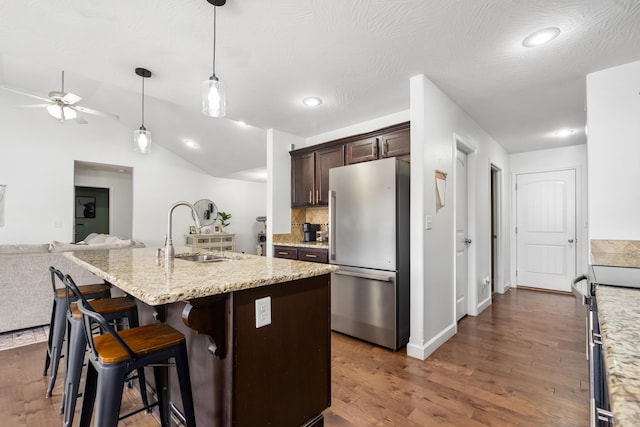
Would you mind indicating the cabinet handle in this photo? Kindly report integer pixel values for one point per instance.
(283, 253)
(311, 256)
(386, 148)
(317, 196)
(310, 196)
(374, 148)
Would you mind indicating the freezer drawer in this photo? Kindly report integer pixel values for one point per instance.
(364, 305)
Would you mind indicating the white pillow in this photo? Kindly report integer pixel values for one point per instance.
(98, 238)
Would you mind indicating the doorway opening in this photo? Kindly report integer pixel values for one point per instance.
(496, 235)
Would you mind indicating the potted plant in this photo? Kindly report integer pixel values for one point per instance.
(223, 218)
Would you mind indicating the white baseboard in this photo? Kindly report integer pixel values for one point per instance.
(484, 304)
(422, 351)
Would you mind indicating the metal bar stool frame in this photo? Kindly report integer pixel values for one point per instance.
(57, 326)
(112, 309)
(105, 378)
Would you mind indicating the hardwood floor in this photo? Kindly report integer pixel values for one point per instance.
(520, 363)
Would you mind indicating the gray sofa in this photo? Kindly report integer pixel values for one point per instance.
(25, 281)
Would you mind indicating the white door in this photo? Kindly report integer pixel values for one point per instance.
(462, 242)
(546, 229)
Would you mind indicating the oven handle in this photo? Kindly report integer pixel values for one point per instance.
(577, 292)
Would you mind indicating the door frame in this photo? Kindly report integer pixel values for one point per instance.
(582, 238)
(499, 283)
(472, 293)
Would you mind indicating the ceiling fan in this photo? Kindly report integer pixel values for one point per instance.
(61, 105)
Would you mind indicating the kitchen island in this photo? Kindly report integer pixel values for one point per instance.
(242, 375)
(619, 318)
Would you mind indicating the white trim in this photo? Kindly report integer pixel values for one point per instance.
(500, 287)
(423, 351)
(484, 304)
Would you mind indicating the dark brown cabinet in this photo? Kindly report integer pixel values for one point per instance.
(310, 175)
(396, 144)
(301, 253)
(310, 165)
(362, 151)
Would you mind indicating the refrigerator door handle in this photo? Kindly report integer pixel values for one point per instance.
(332, 227)
(376, 277)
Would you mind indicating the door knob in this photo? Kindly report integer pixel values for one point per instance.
(467, 241)
(570, 240)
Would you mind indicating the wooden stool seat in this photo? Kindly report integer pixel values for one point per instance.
(142, 340)
(105, 306)
(87, 290)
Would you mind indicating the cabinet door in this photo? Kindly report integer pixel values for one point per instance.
(396, 144)
(326, 159)
(362, 151)
(302, 177)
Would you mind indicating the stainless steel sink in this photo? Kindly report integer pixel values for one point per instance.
(203, 258)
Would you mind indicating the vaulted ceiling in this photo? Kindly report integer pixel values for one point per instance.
(357, 55)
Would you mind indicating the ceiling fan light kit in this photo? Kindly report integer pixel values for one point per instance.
(213, 91)
(142, 137)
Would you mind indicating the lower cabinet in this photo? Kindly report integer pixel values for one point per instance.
(301, 253)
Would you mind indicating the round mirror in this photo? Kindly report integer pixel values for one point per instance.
(207, 211)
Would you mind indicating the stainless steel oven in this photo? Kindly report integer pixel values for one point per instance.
(600, 412)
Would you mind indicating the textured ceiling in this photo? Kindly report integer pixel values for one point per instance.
(357, 55)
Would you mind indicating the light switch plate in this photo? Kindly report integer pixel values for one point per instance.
(263, 312)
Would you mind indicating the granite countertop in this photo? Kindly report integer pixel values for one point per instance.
(155, 282)
(617, 262)
(318, 245)
(619, 318)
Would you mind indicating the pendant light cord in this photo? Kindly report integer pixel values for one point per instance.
(143, 101)
(214, 41)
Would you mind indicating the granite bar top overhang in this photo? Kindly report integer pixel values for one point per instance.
(317, 245)
(155, 281)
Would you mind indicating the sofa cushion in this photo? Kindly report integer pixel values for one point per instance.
(24, 249)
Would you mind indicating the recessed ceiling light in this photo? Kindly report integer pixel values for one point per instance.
(191, 143)
(312, 101)
(541, 37)
(563, 133)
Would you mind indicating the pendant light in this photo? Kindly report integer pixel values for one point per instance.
(142, 137)
(213, 91)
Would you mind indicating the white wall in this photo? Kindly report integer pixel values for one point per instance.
(435, 119)
(37, 157)
(613, 149)
(564, 158)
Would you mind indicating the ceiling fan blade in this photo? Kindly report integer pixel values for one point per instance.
(79, 120)
(24, 92)
(71, 98)
(33, 106)
(95, 112)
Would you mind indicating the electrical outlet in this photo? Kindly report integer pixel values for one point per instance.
(263, 312)
(428, 222)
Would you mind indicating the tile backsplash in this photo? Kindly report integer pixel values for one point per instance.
(298, 217)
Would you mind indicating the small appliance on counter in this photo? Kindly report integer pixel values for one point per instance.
(309, 231)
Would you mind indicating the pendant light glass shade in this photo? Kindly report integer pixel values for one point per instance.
(142, 140)
(142, 137)
(213, 98)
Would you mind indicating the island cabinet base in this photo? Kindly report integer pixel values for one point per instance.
(274, 375)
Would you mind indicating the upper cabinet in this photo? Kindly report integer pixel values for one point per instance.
(310, 165)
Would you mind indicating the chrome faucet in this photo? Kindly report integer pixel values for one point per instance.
(169, 252)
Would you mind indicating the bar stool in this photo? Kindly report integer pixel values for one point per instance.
(57, 326)
(112, 309)
(114, 354)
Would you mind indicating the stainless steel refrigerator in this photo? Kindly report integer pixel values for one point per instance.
(369, 240)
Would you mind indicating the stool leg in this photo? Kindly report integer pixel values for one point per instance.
(132, 319)
(184, 380)
(109, 396)
(57, 330)
(47, 360)
(75, 358)
(89, 395)
(161, 374)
